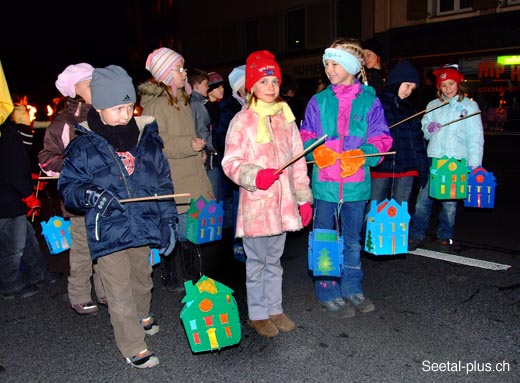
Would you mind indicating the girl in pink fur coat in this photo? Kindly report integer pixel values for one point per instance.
(261, 138)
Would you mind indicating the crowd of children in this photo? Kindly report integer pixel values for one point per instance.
(247, 150)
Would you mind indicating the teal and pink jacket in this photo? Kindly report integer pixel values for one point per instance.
(352, 117)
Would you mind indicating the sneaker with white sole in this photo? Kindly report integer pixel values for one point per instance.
(87, 308)
(361, 303)
(150, 325)
(145, 359)
(339, 308)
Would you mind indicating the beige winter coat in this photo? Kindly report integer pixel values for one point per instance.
(177, 129)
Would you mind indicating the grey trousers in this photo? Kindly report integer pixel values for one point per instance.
(264, 275)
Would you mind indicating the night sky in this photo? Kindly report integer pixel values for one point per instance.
(45, 37)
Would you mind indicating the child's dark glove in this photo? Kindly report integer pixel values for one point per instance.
(265, 178)
(102, 200)
(168, 238)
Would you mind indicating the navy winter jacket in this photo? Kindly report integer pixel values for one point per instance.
(408, 141)
(91, 160)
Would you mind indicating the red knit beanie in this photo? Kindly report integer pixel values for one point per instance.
(261, 64)
(448, 73)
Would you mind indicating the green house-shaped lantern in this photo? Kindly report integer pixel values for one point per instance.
(204, 221)
(56, 232)
(325, 253)
(481, 189)
(210, 315)
(448, 178)
(387, 228)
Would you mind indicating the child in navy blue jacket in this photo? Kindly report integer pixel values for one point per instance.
(118, 156)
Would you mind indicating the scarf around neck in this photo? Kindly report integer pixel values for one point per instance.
(121, 137)
(265, 110)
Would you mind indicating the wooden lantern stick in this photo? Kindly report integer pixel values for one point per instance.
(47, 178)
(294, 159)
(460, 119)
(418, 113)
(154, 197)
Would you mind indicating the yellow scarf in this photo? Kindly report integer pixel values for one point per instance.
(265, 110)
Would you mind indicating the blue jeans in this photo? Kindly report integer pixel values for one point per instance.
(351, 219)
(423, 210)
(21, 259)
(398, 188)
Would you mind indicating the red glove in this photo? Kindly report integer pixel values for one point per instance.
(33, 204)
(265, 178)
(306, 213)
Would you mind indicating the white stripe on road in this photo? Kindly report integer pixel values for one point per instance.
(459, 259)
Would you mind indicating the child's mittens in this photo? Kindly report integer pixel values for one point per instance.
(433, 127)
(323, 156)
(306, 213)
(351, 162)
(265, 178)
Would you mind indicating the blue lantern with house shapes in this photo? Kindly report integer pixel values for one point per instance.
(448, 178)
(56, 232)
(387, 228)
(481, 189)
(210, 315)
(204, 221)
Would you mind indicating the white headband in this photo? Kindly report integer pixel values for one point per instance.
(345, 59)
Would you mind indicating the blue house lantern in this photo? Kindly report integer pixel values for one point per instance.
(204, 221)
(387, 228)
(56, 232)
(481, 189)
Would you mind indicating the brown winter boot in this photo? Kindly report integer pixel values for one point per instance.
(282, 322)
(264, 327)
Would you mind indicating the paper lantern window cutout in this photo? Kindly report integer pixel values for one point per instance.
(196, 338)
(448, 178)
(220, 320)
(325, 253)
(224, 318)
(204, 221)
(481, 189)
(387, 228)
(57, 234)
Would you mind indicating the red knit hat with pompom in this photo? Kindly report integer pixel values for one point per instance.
(448, 73)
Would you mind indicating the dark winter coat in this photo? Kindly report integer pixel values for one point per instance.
(408, 141)
(15, 172)
(91, 160)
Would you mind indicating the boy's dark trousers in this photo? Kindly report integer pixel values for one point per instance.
(182, 265)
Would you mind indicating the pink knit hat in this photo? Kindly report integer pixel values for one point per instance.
(161, 62)
(71, 76)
